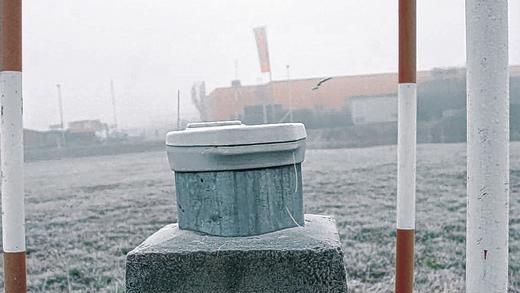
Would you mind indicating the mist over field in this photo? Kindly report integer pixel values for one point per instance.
(150, 49)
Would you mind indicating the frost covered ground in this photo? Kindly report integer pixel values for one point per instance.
(85, 214)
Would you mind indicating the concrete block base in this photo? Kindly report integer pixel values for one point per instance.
(301, 259)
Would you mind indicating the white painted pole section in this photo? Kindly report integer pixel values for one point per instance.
(488, 146)
(406, 144)
(11, 148)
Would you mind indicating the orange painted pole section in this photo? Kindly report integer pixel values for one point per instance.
(407, 41)
(11, 35)
(407, 129)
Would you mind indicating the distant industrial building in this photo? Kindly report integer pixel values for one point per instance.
(79, 132)
(39, 139)
(88, 126)
(344, 100)
(373, 109)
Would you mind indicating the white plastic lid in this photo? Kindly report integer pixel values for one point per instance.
(234, 133)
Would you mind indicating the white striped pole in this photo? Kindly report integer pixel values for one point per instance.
(406, 146)
(11, 146)
(488, 146)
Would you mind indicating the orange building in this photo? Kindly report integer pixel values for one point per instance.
(333, 97)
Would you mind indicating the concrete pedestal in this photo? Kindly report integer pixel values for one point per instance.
(301, 259)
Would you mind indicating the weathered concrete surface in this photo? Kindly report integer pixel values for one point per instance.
(242, 202)
(301, 259)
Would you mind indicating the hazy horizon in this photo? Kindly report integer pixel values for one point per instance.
(152, 48)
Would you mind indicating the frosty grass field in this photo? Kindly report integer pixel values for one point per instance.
(85, 214)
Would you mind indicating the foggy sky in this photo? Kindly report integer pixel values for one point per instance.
(151, 48)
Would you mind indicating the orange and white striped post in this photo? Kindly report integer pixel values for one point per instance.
(406, 146)
(11, 146)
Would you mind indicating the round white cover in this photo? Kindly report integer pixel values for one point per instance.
(233, 133)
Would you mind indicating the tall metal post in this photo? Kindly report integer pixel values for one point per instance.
(407, 125)
(269, 112)
(113, 98)
(235, 92)
(289, 93)
(178, 109)
(60, 106)
(488, 146)
(11, 146)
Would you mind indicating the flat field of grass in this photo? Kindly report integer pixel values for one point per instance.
(85, 214)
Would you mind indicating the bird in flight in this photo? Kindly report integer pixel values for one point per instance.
(322, 81)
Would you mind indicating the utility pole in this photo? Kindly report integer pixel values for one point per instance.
(488, 146)
(11, 147)
(236, 69)
(270, 113)
(178, 109)
(406, 147)
(289, 93)
(114, 109)
(60, 106)
(235, 92)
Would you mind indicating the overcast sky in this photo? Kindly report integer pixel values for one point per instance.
(151, 48)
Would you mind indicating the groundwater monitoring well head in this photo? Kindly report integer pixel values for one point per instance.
(238, 180)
